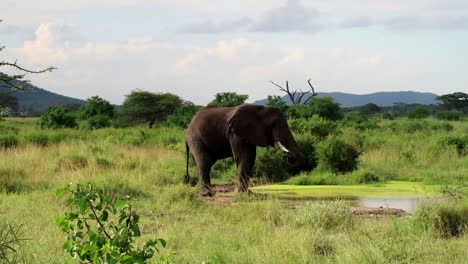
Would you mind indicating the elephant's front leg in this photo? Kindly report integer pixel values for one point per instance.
(244, 154)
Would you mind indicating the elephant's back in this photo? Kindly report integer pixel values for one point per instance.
(211, 117)
(209, 126)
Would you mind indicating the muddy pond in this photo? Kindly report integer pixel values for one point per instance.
(406, 196)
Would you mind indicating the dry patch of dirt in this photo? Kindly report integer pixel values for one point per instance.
(378, 212)
(232, 187)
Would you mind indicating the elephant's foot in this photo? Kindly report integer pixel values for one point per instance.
(207, 192)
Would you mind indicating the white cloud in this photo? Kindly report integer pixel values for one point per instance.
(292, 16)
(197, 72)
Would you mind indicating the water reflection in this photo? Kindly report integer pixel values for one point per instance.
(405, 203)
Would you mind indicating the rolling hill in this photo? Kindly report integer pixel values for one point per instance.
(35, 100)
(379, 98)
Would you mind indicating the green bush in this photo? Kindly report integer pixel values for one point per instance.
(8, 141)
(315, 125)
(224, 169)
(38, 138)
(102, 230)
(182, 115)
(324, 214)
(98, 121)
(271, 165)
(357, 120)
(96, 106)
(316, 177)
(364, 177)
(337, 156)
(446, 220)
(56, 117)
(419, 111)
(449, 115)
(306, 144)
(460, 143)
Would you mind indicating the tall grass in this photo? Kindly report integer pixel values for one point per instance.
(148, 165)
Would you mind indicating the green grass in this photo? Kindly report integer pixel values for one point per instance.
(149, 165)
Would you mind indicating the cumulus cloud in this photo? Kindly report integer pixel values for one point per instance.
(293, 16)
(198, 71)
(195, 72)
(407, 23)
(217, 27)
(290, 17)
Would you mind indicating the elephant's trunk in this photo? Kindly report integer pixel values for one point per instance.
(285, 140)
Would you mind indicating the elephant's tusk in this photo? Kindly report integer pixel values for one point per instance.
(282, 146)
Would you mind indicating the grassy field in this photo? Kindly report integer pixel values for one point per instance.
(148, 165)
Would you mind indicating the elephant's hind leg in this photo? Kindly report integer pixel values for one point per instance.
(204, 162)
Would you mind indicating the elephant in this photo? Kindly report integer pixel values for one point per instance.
(221, 132)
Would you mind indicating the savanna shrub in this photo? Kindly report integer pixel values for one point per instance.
(37, 138)
(449, 115)
(8, 141)
(102, 230)
(8, 129)
(315, 125)
(446, 220)
(357, 120)
(306, 144)
(56, 117)
(459, 142)
(337, 156)
(182, 115)
(98, 121)
(12, 180)
(73, 161)
(315, 177)
(271, 165)
(224, 169)
(324, 214)
(325, 107)
(419, 111)
(364, 177)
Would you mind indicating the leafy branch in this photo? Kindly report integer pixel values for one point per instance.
(102, 230)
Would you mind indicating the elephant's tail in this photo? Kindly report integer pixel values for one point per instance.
(187, 156)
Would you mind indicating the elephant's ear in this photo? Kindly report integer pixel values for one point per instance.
(246, 123)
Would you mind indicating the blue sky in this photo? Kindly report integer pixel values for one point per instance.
(198, 48)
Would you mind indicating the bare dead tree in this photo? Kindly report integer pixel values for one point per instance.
(295, 96)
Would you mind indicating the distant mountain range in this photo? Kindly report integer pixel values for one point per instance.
(36, 100)
(379, 98)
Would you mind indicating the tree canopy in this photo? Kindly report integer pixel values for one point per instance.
(277, 101)
(458, 101)
(228, 99)
(147, 107)
(8, 101)
(96, 106)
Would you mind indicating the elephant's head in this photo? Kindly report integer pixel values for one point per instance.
(264, 126)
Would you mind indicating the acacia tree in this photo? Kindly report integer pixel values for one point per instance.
(458, 101)
(147, 107)
(94, 106)
(277, 101)
(229, 99)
